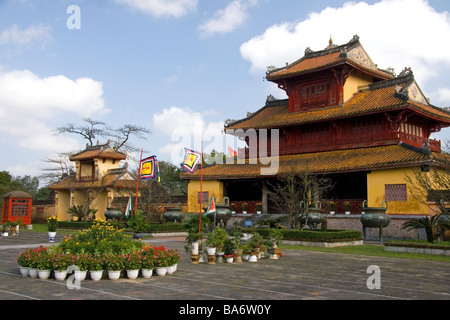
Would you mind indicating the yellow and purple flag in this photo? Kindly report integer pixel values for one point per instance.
(191, 159)
(148, 168)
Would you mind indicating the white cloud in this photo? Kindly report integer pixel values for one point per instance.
(396, 33)
(187, 129)
(28, 103)
(225, 20)
(34, 34)
(163, 8)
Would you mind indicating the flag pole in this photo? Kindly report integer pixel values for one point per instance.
(137, 184)
(201, 191)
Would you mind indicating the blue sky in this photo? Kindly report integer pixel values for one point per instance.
(175, 65)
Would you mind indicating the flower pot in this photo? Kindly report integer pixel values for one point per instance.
(24, 271)
(132, 274)
(230, 260)
(96, 275)
(245, 257)
(347, 212)
(244, 212)
(172, 269)
(195, 258)
(146, 273)
(332, 212)
(34, 272)
(51, 236)
(252, 258)
(258, 212)
(114, 274)
(161, 271)
(60, 275)
(44, 274)
(211, 251)
(80, 275)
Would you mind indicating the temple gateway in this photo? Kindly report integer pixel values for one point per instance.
(365, 128)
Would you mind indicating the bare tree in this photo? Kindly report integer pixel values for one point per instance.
(120, 138)
(59, 168)
(296, 188)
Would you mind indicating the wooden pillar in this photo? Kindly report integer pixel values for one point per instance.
(264, 197)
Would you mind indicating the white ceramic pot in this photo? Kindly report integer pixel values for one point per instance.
(211, 251)
(252, 258)
(80, 274)
(132, 274)
(60, 275)
(114, 274)
(161, 271)
(230, 260)
(172, 269)
(44, 274)
(34, 272)
(24, 271)
(51, 236)
(96, 275)
(146, 273)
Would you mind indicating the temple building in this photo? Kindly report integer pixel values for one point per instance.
(365, 128)
(97, 182)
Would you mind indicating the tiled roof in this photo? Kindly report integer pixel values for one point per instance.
(339, 161)
(363, 103)
(109, 180)
(100, 152)
(320, 60)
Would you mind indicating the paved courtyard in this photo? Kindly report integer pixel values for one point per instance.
(299, 275)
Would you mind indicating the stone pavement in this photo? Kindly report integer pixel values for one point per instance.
(299, 275)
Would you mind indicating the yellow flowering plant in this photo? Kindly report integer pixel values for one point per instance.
(52, 224)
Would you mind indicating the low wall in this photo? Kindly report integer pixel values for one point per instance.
(348, 222)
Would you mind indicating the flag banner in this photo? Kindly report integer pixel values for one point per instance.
(212, 206)
(148, 168)
(128, 209)
(231, 152)
(191, 159)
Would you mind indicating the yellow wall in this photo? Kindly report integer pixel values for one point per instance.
(62, 203)
(356, 78)
(215, 188)
(376, 181)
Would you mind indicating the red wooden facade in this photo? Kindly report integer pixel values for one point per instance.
(17, 205)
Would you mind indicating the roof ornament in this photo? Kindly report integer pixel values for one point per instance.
(406, 72)
(331, 45)
(308, 51)
(355, 38)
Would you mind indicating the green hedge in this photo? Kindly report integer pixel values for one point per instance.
(165, 227)
(316, 235)
(80, 225)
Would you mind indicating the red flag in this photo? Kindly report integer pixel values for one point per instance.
(231, 152)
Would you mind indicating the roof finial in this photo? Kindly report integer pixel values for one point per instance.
(330, 43)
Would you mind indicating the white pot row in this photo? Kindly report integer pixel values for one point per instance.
(94, 274)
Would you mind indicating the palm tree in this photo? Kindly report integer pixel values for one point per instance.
(427, 223)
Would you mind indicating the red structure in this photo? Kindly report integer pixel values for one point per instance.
(17, 204)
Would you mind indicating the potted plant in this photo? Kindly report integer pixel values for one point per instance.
(147, 264)
(258, 208)
(332, 207)
(81, 262)
(233, 208)
(133, 264)
(347, 207)
(216, 240)
(139, 224)
(96, 266)
(13, 227)
(162, 262)
(244, 207)
(173, 261)
(254, 243)
(60, 263)
(114, 263)
(44, 264)
(229, 257)
(24, 263)
(275, 236)
(52, 224)
(5, 229)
